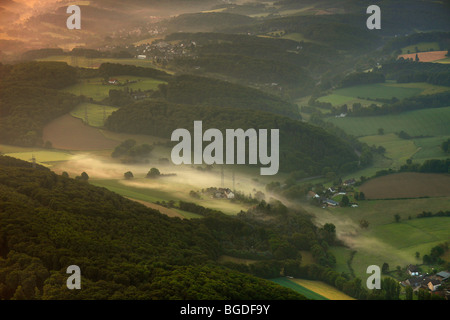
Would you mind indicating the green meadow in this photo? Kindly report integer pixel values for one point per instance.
(365, 94)
(397, 149)
(421, 47)
(95, 89)
(397, 243)
(165, 190)
(386, 240)
(96, 114)
(42, 156)
(84, 62)
(425, 122)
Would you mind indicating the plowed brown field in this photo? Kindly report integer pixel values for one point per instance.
(426, 56)
(407, 185)
(69, 133)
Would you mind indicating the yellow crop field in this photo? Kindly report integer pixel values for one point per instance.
(323, 289)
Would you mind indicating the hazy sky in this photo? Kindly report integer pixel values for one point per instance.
(23, 9)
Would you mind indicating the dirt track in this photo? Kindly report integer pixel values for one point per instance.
(69, 133)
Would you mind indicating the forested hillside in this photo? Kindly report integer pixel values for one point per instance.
(29, 99)
(124, 250)
(195, 90)
(302, 146)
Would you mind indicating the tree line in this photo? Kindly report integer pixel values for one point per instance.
(301, 145)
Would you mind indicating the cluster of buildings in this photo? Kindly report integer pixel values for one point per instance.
(325, 199)
(221, 193)
(434, 283)
(163, 51)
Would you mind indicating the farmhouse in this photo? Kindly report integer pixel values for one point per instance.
(142, 56)
(443, 275)
(113, 81)
(349, 182)
(413, 270)
(330, 202)
(434, 284)
(312, 194)
(224, 193)
(139, 95)
(414, 282)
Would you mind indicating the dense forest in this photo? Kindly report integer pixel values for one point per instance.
(250, 69)
(302, 146)
(405, 71)
(29, 99)
(125, 250)
(195, 90)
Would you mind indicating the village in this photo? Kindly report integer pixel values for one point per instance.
(325, 197)
(434, 283)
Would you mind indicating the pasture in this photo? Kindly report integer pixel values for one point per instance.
(385, 240)
(84, 62)
(364, 93)
(165, 189)
(96, 89)
(407, 185)
(96, 114)
(421, 47)
(397, 149)
(397, 243)
(424, 122)
(42, 157)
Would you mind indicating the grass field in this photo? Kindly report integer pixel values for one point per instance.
(370, 91)
(342, 256)
(96, 62)
(397, 243)
(96, 114)
(287, 283)
(363, 93)
(43, 157)
(426, 122)
(165, 190)
(397, 149)
(385, 240)
(407, 185)
(338, 99)
(95, 89)
(446, 60)
(422, 46)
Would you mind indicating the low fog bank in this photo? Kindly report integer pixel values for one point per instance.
(105, 168)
